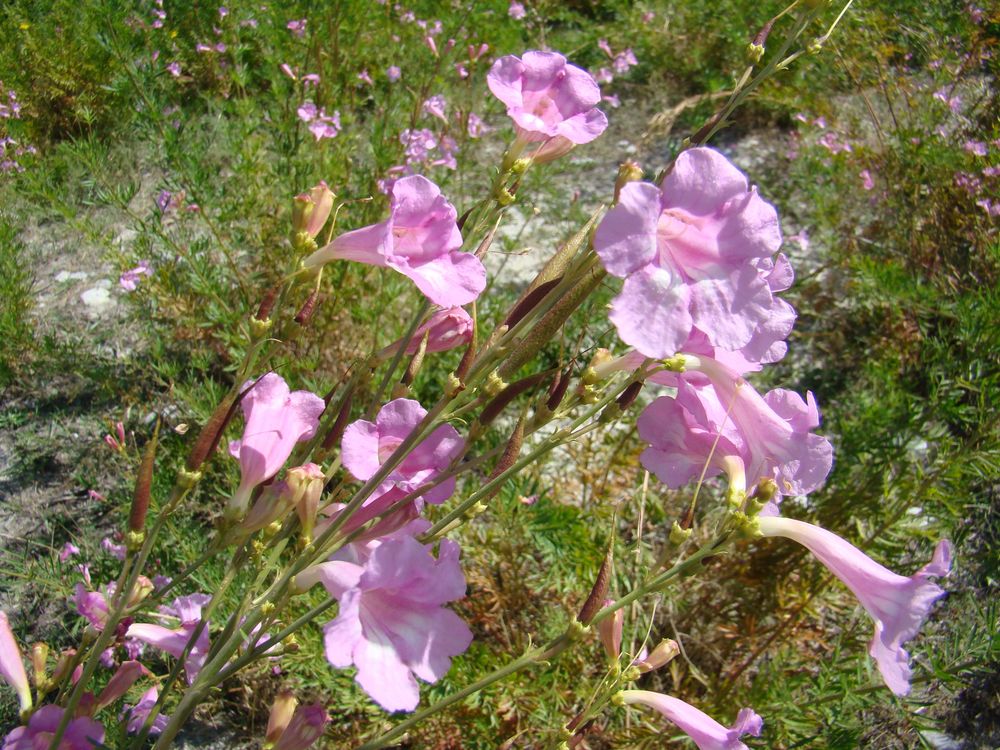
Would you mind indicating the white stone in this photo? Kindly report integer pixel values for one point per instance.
(97, 298)
(64, 276)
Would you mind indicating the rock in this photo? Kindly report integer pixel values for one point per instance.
(64, 276)
(97, 299)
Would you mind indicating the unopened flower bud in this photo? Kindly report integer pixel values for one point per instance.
(816, 45)
(143, 587)
(306, 726)
(39, 660)
(504, 197)
(664, 652)
(281, 714)
(311, 210)
(259, 328)
(610, 631)
(521, 165)
(755, 52)
(305, 483)
(63, 664)
(678, 534)
(597, 366)
(628, 172)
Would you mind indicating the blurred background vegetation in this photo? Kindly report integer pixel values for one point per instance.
(880, 151)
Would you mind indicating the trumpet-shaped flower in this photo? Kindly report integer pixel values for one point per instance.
(550, 101)
(82, 733)
(444, 330)
(135, 716)
(11, 664)
(719, 419)
(187, 609)
(305, 727)
(392, 624)
(366, 446)
(707, 733)
(695, 252)
(276, 419)
(420, 239)
(897, 604)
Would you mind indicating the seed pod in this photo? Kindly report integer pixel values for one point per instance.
(267, 303)
(508, 394)
(557, 264)
(416, 361)
(629, 395)
(208, 438)
(340, 423)
(143, 485)
(468, 357)
(529, 301)
(306, 311)
(511, 451)
(558, 390)
(545, 329)
(596, 599)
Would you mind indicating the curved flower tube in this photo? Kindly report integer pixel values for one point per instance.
(707, 733)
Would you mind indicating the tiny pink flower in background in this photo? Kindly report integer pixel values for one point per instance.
(325, 125)
(174, 69)
(604, 75)
(623, 61)
(287, 70)
(202, 48)
(897, 604)
(186, 609)
(82, 733)
(602, 44)
(115, 550)
(130, 279)
(420, 239)
(612, 100)
(866, 179)
(461, 70)
(223, 11)
(706, 732)
(135, 716)
(516, 10)
(69, 549)
(393, 73)
(800, 238)
(648, 16)
(307, 112)
(431, 45)
(832, 143)
(476, 52)
(801, 117)
(819, 122)
(992, 208)
(297, 27)
(276, 419)
(436, 106)
(694, 252)
(551, 102)
(12, 665)
(991, 171)
(107, 658)
(476, 127)
(311, 79)
(978, 148)
(392, 624)
(365, 78)
(220, 47)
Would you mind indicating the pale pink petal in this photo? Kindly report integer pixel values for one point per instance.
(652, 312)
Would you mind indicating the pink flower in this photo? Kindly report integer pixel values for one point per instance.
(977, 148)
(612, 100)
(297, 27)
(695, 252)
(307, 111)
(129, 279)
(12, 666)
(82, 733)
(436, 106)
(897, 604)
(117, 551)
(623, 61)
(365, 78)
(135, 716)
(866, 179)
(393, 73)
(187, 609)
(287, 70)
(276, 419)
(124, 678)
(707, 733)
(476, 127)
(445, 330)
(516, 10)
(719, 419)
(420, 239)
(551, 102)
(305, 727)
(461, 70)
(604, 75)
(69, 549)
(311, 79)
(174, 69)
(366, 446)
(325, 126)
(91, 605)
(392, 624)
(311, 210)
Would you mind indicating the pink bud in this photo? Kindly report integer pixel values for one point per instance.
(11, 665)
(610, 631)
(281, 714)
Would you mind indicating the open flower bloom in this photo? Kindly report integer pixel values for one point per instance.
(187, 609)
(93, 605)
(707, 733)
(392, 624)
(551, 102)
(276, 419)
(897, 604)
(420, 239)
(11, 664)
(366, 446)
(136, 715)
(697, 251)
(719, 419)
(82, 733)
